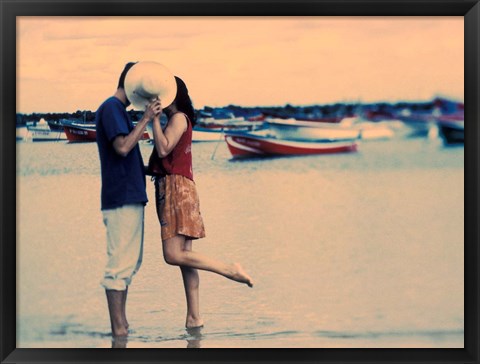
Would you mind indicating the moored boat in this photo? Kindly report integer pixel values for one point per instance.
(46, 135)
(250, 144)
(293, 129)
(233, 123)
(206, 134)
(78, 133)
(419, 124)
(220, 123)
(202, 134)
(41, 132)
(57, 125)
(451, 129)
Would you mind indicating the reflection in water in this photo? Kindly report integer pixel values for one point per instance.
(119, 342)
(195, 337)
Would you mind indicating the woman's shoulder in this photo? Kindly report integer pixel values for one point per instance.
(180, 115)
(181, 118)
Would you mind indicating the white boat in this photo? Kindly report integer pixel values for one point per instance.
(206, 134)
(214, 134)
(212, 122)
(41, 132)
(46, 135)
(292, 129)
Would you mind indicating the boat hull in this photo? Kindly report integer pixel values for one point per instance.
(452, 133)
(77, 134)
(250, 145)
(56, 126)
(47, 135)
(81, 134)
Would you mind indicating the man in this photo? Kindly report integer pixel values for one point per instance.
(123, 197)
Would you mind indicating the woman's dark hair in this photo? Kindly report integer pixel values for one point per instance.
(183, 101)
(121, 80)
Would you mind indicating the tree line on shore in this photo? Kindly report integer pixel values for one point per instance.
(235, 110)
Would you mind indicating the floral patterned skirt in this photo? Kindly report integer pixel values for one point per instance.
(178, 207)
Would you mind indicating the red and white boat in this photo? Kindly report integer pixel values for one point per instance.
(80, 132)
(249, 144)
(87, 133)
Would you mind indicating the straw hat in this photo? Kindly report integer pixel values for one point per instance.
(148, 80)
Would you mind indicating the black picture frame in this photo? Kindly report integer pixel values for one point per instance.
(10, 9)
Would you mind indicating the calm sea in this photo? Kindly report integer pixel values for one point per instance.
(347, 251)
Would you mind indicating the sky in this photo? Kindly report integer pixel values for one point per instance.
(65, 64)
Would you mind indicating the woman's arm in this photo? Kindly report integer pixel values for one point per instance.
(123, 144)
(166, 140)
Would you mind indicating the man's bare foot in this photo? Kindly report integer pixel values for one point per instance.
(240, 275)
(119, 342)
(192, 323)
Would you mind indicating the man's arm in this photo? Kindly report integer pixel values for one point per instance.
(123, 144)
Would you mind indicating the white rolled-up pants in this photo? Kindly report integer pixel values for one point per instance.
(124, 245)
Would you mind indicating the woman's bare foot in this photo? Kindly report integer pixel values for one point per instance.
(192, 323)
(240, 275)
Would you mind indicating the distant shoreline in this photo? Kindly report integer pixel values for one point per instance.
(326, 110)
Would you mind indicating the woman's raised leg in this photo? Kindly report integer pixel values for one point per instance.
(175, 253)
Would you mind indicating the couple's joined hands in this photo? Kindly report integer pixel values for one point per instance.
(153, 110)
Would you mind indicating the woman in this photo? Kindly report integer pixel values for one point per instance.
(178, 204)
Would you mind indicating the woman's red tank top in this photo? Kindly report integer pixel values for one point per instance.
(179, 161)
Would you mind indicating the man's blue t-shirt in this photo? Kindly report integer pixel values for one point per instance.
(123, 178)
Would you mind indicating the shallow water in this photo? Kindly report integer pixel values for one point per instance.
(346, 250)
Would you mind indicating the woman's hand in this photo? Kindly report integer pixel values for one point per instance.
(153, 110)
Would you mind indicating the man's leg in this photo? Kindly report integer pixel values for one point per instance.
(125, 251)
(124, 307)
(117, 313)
